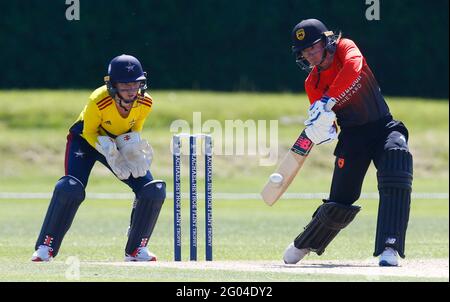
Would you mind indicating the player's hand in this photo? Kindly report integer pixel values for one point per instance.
(321, 134)
(320, 112)
(107, 147)
(138, 153)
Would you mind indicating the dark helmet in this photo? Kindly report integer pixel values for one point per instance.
(307, 33)
(125, 69)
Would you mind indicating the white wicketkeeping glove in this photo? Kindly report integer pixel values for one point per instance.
(107, 147)
(138, 153)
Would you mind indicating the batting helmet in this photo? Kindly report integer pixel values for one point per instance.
(125, 69)
(307, 33)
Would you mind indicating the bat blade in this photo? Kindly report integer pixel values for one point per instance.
(287, 170)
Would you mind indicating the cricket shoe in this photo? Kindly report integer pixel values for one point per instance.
(389, 257)
(141, 254)
(44, 253)
(292, 255)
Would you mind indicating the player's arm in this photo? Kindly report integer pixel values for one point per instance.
(313, 94)
(103, 144)
(146, 108)
(137, 151)
(320, 123)
(352, 63)
(92, 121)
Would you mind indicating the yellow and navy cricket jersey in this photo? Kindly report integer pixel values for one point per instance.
(101, 117)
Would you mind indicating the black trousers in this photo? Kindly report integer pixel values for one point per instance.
(356, 149)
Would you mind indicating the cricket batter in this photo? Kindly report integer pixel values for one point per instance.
(339, 72)
(108, 131)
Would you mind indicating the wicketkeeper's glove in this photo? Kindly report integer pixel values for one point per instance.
(138, 153)
(107, 147)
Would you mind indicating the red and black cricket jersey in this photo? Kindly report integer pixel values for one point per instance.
(351, 82)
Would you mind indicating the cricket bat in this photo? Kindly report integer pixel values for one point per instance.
(280, 180)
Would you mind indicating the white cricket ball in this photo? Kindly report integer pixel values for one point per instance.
(276, 178)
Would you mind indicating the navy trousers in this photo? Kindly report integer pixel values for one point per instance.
(356, 149)
(80, 159)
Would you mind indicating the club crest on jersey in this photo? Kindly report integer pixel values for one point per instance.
(300, 34)
(132, 123)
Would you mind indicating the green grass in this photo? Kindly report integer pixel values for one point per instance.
(243, 230)
(34, 126)
(57, 109)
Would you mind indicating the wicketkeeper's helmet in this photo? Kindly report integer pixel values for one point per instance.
(125, 69)
(307, 33)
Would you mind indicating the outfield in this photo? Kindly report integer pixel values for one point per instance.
(245, 231)
(249, 237)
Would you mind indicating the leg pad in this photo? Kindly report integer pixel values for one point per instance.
(67, 197)
(395, 175)
(148, 205)
(327, 221)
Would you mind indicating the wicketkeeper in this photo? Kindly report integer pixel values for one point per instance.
(339, 73)
(108, 131)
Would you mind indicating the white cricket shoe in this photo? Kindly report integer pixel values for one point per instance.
(141, 254)
(292, 255)
(42, 254)
(388, 257)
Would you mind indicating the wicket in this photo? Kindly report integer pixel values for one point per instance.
(176, 151)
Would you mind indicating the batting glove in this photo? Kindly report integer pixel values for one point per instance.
(320, 112)
(321, 135)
